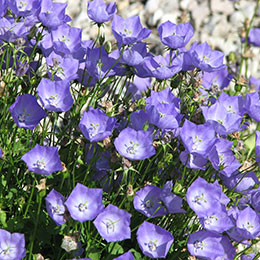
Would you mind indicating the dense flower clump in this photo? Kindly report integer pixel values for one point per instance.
(136, 155)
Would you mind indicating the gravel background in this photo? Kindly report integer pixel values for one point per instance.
(219, 22)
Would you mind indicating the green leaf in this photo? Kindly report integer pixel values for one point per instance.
(3, 218)
(115, 249)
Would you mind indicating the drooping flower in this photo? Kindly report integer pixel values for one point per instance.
(175, 36)
(126, 256)
(99, 12)
(203, 197)
(26, 111)
(24, 7)
(12, 246)
(153, 240)
(55, 95)
(96, 125)
(55, 206)
(43, 160)
(253, 37)
(84, 203)
(252, 105)
(128, 31)
(210, 245)
(147, 201)
(53, 14)
(113, 224)
(206, 59)
(135, 145)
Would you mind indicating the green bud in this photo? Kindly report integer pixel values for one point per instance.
(108, 46)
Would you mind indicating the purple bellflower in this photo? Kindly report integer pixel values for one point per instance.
(55, 207)
(55, 95)
(96, 125)
(26, 111)
(153, 240)
(24, 7)
(147, 201)
(206, 59)
(253, 37)
(252, 105)
(52, 14)
(257, 146)
(175, 36)
(159, 67)
(43, 160)
(254, 83)
(204, 198)
(210, 245)
(62, 67)
(128, 31)
(126, 256)
(99, 12)
(113, 224)
(84, 203)
(12, 246)
(66, 39)
(222, 157)
(197, 138)
(135, 145)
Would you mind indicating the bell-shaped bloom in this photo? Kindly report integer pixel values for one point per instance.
(240, 182)
(159, 67)
(255, 198)
(222, 157)
(98, 63)
(254, 83)
(204, 198)
(206, 59)
(53, 14)
(24, 7)
(12, 246)
(153, 240)
(99, 12)
(43, 160)
(55, 95)
(126, 256)
(248, 223)
(211, 246)
(193, 160)
(12, 30)
(84, 203)
(218, 222)
(1, 153)
(171, 201)
(147, 201)
(62, 67)
(252, 105)
(66, 39)
(223, 121)
(96, 125)
(128, 31)
(216, 80)
(55, 206)
(253, 37)
(135, 145)
(113, 224)
(26, 111)
(175, 36)
(197, 138)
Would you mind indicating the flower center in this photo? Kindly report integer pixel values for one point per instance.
(58, 209)
(83, 206)
(149, 204)
(93, 129)
(196, 143)
(53, 100)
(132, 148)
(198, 245)
(110, 225)
(199, 199)
(152, 245)
(210, 219)
(22, 117)
(40, 164)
